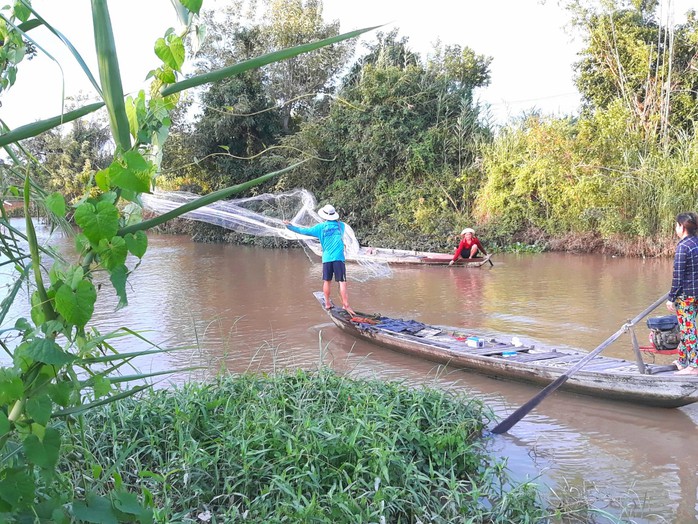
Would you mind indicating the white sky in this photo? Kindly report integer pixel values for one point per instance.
(532, 49)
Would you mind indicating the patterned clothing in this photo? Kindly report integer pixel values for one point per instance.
(686, 309)
(685, 278)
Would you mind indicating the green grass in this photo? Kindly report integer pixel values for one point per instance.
(303, 447)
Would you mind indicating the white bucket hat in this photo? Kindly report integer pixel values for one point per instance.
(467, 230)
(328, 212)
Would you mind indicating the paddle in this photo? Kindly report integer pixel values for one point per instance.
(520, 413)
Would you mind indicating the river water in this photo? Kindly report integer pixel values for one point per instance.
(247, 309)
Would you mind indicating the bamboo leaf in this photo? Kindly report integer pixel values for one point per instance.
(86, 407)
(36, 128)
(255, 63)
(109, 74)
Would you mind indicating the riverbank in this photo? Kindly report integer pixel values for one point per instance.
(308, 447)
(532, 240)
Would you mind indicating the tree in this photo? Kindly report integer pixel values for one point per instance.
(387, 153)
(238, 122)
(632, 57)
(240, 31)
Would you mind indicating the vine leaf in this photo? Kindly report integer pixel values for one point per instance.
(135, 176)
(171, 51)
(48, 352)
(112, 252)
(43, 453)
(118, 278)
(56, 204)
(97, 222)
(76, 306)
(39, 408)
(137, 243)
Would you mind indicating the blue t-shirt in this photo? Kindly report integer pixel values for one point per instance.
(330, 234)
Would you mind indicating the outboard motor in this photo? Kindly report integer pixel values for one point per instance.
(664, 332)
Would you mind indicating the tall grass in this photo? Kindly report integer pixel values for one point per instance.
(305, 447)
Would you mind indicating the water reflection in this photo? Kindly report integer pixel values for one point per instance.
(248, 309)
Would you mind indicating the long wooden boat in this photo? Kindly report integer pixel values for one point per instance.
(406, 257)
(606, 377)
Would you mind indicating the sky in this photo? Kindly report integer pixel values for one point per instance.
(532, 48)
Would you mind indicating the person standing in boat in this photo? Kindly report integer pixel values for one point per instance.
(683, 296)
(330, 233)
(469, 246)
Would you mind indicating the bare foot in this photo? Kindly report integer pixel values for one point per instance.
(679, 365)
(687, 371)
(328, 306)
(350, 311)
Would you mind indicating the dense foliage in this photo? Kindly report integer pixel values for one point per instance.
(307, 447)
(398, 149)
(406, 153)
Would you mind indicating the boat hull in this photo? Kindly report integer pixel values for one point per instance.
(603, 377)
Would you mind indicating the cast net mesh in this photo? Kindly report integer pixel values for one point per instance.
(264, 215)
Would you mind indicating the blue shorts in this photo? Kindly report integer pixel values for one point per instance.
(336, 268)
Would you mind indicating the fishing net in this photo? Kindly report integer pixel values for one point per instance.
(264, 215)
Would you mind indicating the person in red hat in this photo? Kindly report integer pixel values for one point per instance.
(469, 246)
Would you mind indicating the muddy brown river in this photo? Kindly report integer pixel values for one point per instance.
(247, 309)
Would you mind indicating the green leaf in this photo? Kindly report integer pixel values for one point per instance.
(137, 243)
(136, 175)
(76, 306)
(37, 312)
(39, 408)
(193, 5)
(43, 453)
(118, 278)
(11, 386)
(128, 503)
(95, 509)
(75, 275)
(60, 392)
(171, 51)
(17, 488)
(4, 424)
(82, 243)
(101, 386)
(36, 128)
(136, 112)
(109, 74)
(47, 351)
(112, 253)
(21, 11)
(97, 222)
(56, 204)
(102, 179)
